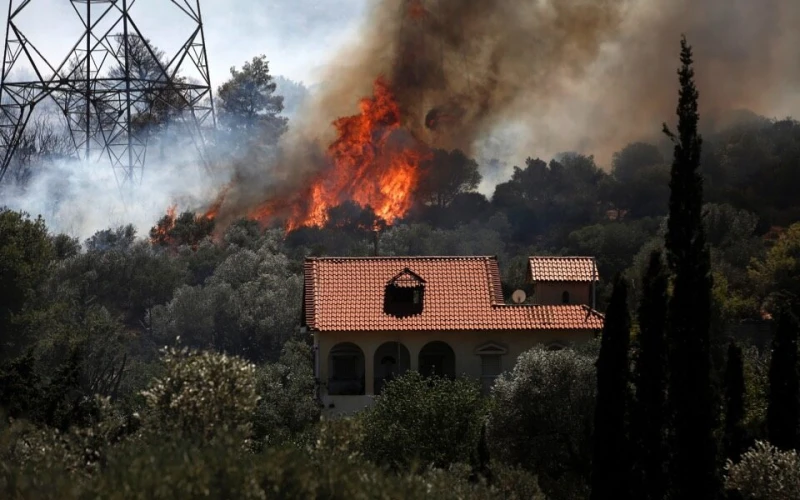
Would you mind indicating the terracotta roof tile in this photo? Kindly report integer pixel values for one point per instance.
(563, 269)
(460, 293)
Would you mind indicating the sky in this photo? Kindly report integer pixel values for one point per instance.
(297, 36)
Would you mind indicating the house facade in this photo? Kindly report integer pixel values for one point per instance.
(375, 318)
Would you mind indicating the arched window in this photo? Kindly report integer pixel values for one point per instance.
(565, 297)
(391, 360)
(346, 370)
(437, 358)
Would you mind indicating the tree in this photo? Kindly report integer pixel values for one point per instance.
(633, 158)
(26, 252)
(782, 410)
(648, 419)
(778, 276)
(155, 101)
(248, 106)
(287, 403)
(734, 439)
(541, 417)
(689, 319)
(448, 174)
(435, 421)
(610, 466)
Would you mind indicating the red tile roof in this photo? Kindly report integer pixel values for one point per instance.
(563, 269)
(461, 293)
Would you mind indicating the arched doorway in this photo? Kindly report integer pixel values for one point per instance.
(437, 358)
(346, 370)
(391, 360)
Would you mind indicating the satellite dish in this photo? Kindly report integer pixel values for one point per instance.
(518, 297)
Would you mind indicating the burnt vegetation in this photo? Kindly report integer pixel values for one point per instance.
(171, 364)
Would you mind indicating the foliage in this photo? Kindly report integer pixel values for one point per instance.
(202, 395)
(448, 174)
(783, 410)
(429, 421)
(765, 473)
(25, 254)
(543, 198)
(249, 108)
(187, 229)
(541, 418)
(734, 440)
(648, 420)
(287, 405)
(611, 461)
(756, 376)
(689, 319)
(249, 307)
(778, 276)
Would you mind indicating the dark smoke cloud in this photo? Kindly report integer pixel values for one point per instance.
(586, 75)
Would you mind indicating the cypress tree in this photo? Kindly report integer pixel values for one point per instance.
(782, 409)
(734, 403)
(693, 461)
(648, 422)
(610, 465)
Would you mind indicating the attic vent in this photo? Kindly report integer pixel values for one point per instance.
(404, 294)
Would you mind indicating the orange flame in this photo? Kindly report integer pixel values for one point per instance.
(373, 163)
(160, 233)
(416, 10)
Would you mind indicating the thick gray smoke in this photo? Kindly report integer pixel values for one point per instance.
(507, 79)
(80, 198)
(587, 75)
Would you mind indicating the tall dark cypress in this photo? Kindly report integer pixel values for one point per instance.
(610, 464)
(734, 404)
(693, 461)
(782, 409)
(648, 414)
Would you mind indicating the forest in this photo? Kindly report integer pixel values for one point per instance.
(171, 364)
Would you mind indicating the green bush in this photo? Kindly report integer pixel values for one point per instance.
(541, 418)
(765, 473)
(202, 394)
(429, 421)
(287, 404)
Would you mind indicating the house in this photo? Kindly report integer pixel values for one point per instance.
(374, 318)
(564, 280)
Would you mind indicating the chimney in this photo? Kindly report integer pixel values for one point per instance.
(376, 233)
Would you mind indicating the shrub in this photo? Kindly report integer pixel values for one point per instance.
(433, 421)
(287, 403)
(202, 394)
(541, 418)
(765, 472)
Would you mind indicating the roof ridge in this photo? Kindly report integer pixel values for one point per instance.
(561, 257)
(409, 257)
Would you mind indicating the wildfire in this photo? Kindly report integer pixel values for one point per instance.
(416, 10)
(160, 233)
(373, 162)
(213, 210)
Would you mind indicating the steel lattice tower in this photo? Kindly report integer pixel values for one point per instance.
(106, 97)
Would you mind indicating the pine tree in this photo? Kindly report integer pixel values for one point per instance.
(782, 411)
(693, 461)
(734, 403)
(648, 420)
(610, 470)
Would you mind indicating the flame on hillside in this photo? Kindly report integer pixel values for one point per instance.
(373, 162)
(160, 233)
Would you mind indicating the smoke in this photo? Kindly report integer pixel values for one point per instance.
(80, 198)
(507, 79)
(585, 75)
